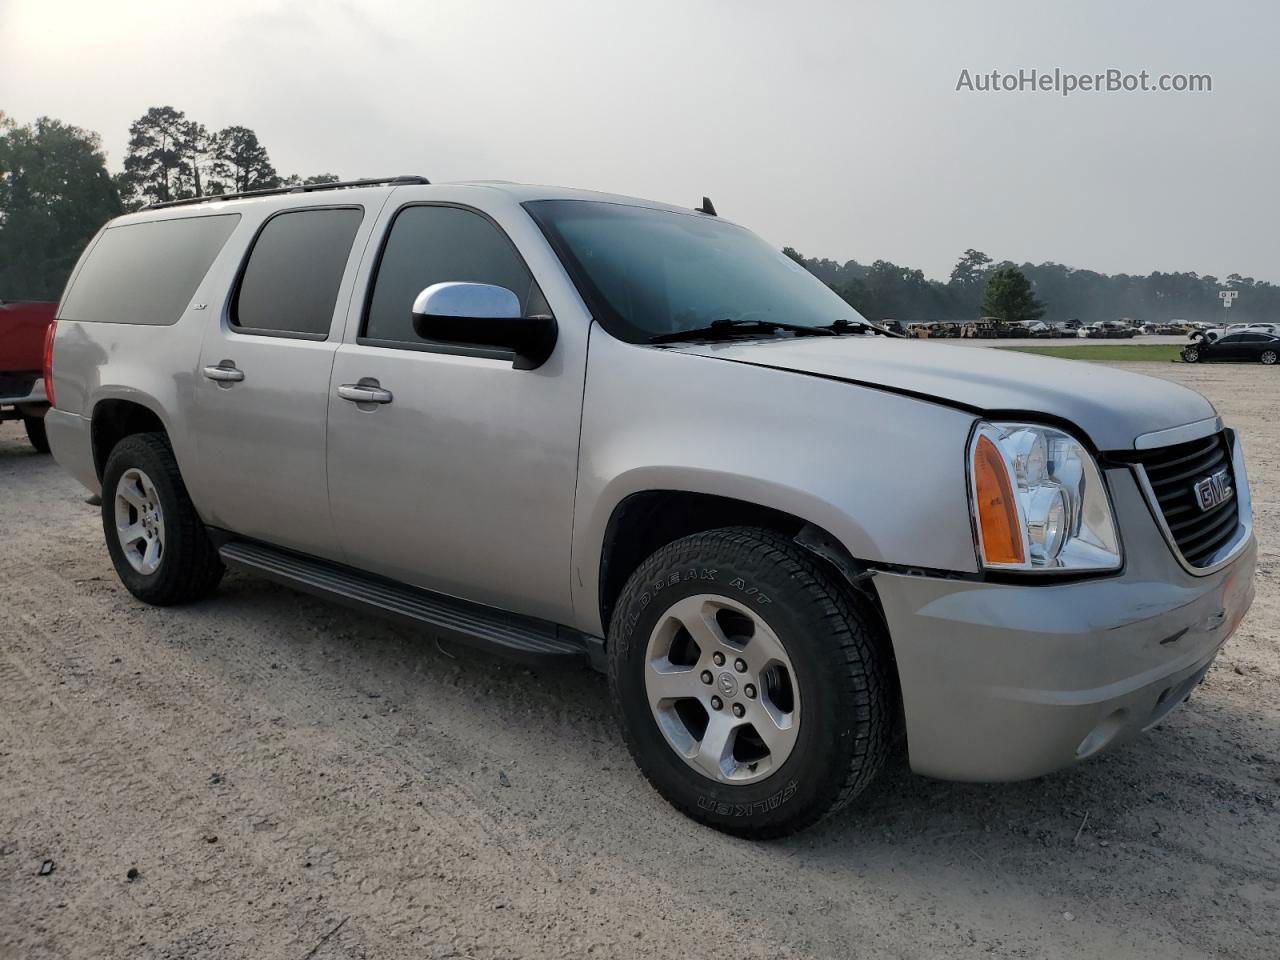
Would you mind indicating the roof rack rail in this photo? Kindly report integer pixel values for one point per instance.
(293, 188)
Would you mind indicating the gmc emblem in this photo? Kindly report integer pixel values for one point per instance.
(1213, 491)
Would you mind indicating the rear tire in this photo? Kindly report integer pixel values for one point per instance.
(161, 550)
(36, 433)
(1268, 357)
(816, 661)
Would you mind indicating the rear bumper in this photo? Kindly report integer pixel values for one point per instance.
(1005, 681)
(22, 391)
(72, 446)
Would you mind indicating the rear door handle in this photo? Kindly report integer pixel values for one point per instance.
(225, 372)
(364, 392)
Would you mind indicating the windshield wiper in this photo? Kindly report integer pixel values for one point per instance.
(728, 326)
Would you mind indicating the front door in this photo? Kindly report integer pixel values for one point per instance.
(453, 470)
(262, 385)
(1232, 347)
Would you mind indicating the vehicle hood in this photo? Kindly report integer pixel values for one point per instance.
(1113, 407)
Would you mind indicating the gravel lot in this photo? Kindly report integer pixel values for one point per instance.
(292, 780)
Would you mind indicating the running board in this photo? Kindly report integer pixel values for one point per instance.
(507, 634)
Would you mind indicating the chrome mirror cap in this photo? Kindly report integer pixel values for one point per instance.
(482, 301)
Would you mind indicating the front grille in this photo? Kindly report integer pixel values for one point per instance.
(1173, 473)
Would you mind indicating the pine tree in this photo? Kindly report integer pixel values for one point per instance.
(242, 161)
(158, 165)
(1009, 296)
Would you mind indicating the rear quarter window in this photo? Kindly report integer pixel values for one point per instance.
(146, 273)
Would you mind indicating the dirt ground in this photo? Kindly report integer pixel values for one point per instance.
(292, 780)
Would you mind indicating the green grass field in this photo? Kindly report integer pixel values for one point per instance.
(1109, 354)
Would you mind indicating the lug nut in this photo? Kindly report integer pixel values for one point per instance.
(718, 657)
(738, 710)
(716, 703)
(750, 691)
(740, 665)
(706, 676)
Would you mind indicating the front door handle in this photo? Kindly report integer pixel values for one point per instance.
(225, 372)
(366, 391)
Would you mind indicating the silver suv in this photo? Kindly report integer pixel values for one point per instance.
(564, 425)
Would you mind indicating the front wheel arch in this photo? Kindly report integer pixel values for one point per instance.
(644, 522)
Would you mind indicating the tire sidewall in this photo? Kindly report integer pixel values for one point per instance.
(812, 775)
(36, 433)
(1268, 353)
(128, 454)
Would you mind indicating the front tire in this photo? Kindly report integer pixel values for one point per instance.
(157, 543)
(1269, 357)
(1191, 355)
(36, 433)
(796, 719)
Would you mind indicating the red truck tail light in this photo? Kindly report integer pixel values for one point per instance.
(48, 360)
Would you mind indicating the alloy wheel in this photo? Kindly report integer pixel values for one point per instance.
(722, 689)
(139, 521)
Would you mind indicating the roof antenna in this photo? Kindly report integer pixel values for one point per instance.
(707, 207)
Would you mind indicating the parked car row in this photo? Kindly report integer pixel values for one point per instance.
(1107, 330)
(1214, 333)
(987, 328)
(994, 328)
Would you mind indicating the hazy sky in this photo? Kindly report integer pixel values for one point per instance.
(833, 127)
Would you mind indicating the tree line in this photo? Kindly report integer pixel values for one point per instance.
(56, 191)
(884, 290)
(170, 157)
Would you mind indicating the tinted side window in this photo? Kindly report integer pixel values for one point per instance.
(435, 245)
(291, 281)
(146, 272)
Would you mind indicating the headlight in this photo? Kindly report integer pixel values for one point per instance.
(1038, 501)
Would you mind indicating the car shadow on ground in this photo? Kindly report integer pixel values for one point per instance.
(1211, 764)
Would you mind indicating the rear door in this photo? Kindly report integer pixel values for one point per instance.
(262, 385)
(1251, 345)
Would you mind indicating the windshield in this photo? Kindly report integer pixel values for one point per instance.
(646, 273)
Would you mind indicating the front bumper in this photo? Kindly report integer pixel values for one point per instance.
(1006, 681)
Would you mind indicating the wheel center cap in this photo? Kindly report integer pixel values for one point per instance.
(728, 684)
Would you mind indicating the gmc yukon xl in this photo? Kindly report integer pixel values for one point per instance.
(566, 425)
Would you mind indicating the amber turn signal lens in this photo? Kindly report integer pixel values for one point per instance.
(997, 510)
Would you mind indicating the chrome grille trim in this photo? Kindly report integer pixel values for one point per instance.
(1208, 537)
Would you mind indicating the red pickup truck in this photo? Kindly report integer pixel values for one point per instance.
(24, 341)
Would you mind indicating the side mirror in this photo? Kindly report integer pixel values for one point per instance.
(486, 315)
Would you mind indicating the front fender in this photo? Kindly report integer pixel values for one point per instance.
(882, 473)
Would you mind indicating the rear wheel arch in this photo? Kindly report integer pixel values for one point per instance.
(114, 419)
